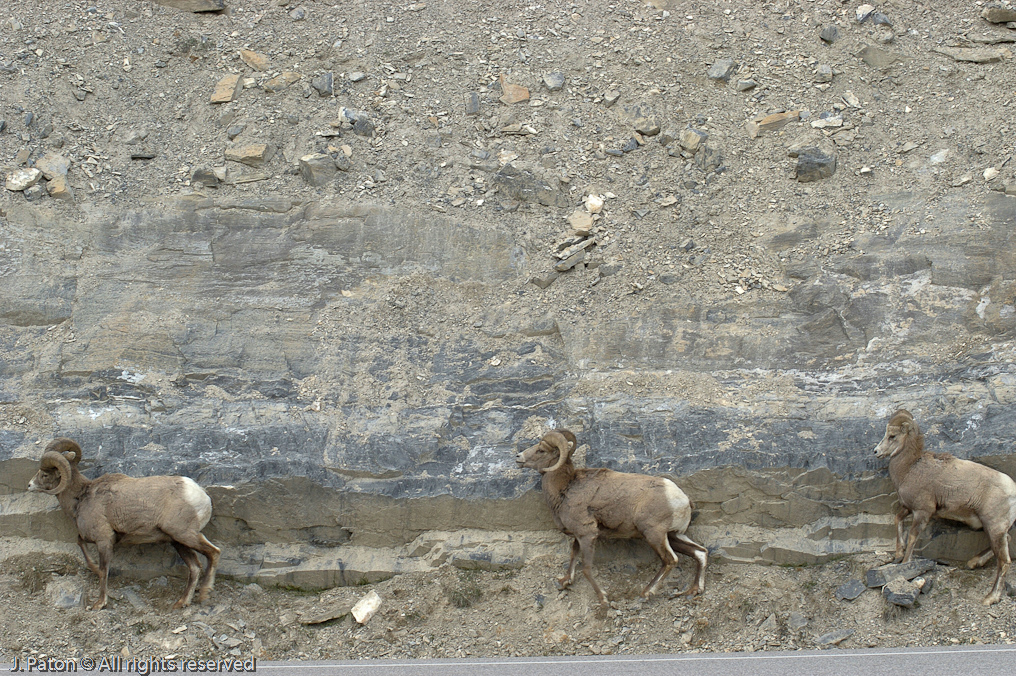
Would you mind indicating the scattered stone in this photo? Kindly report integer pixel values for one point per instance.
(770, 624)
(512, 93)
(317, 169)
(255, 60)
(554, 81)
(58, 188)
(253, 154)
(281, 82)
(796, 621)
(360, 121)
(326, 614)
(227, 89)
(194, 5)
(824, 73)
(610, 97)
(880, 19)
(998, 14)
(745, 85)
(709, 158)
(814, 164)
(901, 592)
(23, 179)
(834, 637)
(35, 193)
(593, 204)
(771, 122)
(543, 281)
(3, 124)
(52, 165)
(204, 176)
(630, 145)
(472, 103)
(235, 130)
(143, 154)
(647, 126)
(877, 58)
(974, 54)
(298, 14)
(581, 221)
(692, 139)
(571, 261)
(863, 12)
(990, 173)
(721, 70)
(848, 591)
(830, 34)
(879, 577)
(342, 162)
(135, 136)
(323, 83)
(65, 593)
(356, 76)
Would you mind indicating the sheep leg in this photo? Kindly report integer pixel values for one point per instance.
(190, 559)
(685, 545)
(105, 548)
(196, 541)
(662, 548)
(1000, 545)
(980, 559)
(920, 522)
(88, 559)
(900, 518)
(565, 582)
(587, 544)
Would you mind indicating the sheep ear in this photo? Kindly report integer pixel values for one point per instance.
(906, 426)
(71, 456)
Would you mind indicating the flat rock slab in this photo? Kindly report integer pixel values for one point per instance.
(849, 591)
(194, 5)
(322, 615)
(881, 576)
(974, 54)
(834, 637)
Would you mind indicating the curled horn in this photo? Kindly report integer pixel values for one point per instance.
(52, 459)
(65, 446)
(565, 442)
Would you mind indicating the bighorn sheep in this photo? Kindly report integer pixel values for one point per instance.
(120, 509)
(590, 503)
(940, 485)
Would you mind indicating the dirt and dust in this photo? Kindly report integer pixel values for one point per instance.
(452, 612)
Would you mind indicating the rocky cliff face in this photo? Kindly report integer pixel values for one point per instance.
(350, 363)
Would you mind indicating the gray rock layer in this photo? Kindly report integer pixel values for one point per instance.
(325, 371)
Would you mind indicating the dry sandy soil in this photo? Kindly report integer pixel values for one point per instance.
(458, 613)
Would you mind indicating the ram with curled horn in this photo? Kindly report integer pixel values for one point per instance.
(118, 509)
(588, 504)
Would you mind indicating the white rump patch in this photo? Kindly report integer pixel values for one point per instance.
(198, 499)
(680, 506)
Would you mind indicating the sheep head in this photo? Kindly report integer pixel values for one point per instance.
(901, 427)
(55, 470)
(550, 454)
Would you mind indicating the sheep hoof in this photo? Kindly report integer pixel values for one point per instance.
(563, 583)
(180, 604)
(99, 605)
(693, 590)
(992, 599)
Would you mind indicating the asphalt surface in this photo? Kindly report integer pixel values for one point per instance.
(955, 661)
(891, 662)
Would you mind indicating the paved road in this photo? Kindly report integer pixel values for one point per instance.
(956, 661)
(891, 662)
